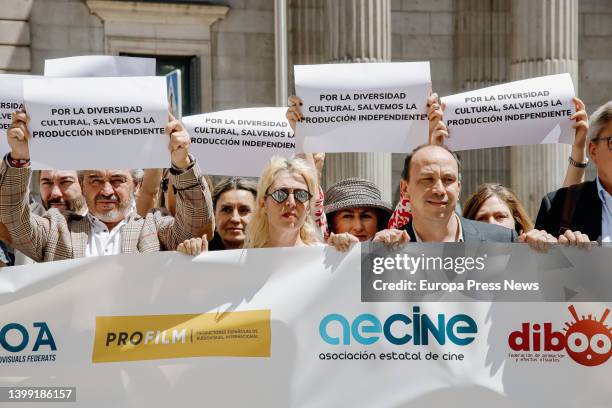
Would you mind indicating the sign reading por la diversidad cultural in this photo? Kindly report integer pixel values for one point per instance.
(369, 107)
(110, 122)
(527, 112)
(239, 142)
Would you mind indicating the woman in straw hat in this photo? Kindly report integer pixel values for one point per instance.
(355, 212)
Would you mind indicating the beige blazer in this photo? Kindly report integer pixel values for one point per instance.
(60, 235)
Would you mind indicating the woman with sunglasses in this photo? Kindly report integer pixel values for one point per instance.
(283, 206)
(282, 209)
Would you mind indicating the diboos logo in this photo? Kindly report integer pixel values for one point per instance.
(399, 329)
(26, 344)
(132, 338)
(586, 340)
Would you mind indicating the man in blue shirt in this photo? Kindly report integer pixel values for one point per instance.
(583, 212)
(6, 258)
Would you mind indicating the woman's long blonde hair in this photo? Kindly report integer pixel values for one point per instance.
(257, 231)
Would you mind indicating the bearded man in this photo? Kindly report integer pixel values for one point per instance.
(111, 226)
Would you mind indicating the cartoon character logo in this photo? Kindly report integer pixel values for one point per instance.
(588, 340)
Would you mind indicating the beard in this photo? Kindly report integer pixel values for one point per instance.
(75, 205)
(117, 214)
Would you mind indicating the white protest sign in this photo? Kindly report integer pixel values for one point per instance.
(99, 66)
(11, 99)
(527, 112)
(370, 107)
(239, 142)
(97, 123)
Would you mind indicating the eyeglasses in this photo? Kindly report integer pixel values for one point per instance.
(282, 194)
(608, 139)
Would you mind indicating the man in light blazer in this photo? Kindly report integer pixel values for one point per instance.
(111, 226)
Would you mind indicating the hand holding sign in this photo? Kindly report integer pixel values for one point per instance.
(294, 112)
(581, 125)
(179, 143)
(18, 136)
(438, 133)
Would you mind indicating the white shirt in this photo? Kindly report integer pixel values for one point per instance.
(459, 232)
(606, 212)
(101, 240)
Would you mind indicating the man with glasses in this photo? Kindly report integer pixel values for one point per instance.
(583, 212)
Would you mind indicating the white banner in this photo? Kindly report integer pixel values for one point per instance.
(239, 142)
(11, 99)
(282, 328)
(369, 107)
(100, 66)
(110, 122)
(527, 112)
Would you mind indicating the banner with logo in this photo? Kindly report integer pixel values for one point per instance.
(366, 107)
(527, 112)
(293, 327)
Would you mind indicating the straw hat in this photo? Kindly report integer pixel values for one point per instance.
(355, 193)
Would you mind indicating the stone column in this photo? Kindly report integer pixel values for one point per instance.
(359, 31)
(482, 43)
(544, 42)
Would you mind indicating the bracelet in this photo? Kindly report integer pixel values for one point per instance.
(175, 171)
(176, 190)
(578, 164)
(18, 163)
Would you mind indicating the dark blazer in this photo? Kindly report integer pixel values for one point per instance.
(476, 231)
(586, 215)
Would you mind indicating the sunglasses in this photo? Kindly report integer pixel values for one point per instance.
(282, 194)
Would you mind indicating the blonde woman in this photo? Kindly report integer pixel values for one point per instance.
(283, 206)
(285, 199)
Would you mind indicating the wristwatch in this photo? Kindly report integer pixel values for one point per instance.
(578, 164)
(18, 163)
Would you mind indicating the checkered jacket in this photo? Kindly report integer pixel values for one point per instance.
(57, 235)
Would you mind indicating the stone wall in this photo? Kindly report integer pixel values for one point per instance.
(63, 28)
(243, 44)
(243, 55)
(15, 36)
(595, 52)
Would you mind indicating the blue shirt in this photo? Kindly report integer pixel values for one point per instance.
(5, 255)
(606, 213)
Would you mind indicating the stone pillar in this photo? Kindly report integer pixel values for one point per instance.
(307, 26)
(482, 43)
(544, 42)
(359, 31)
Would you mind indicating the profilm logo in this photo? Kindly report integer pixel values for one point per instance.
(586, 339)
